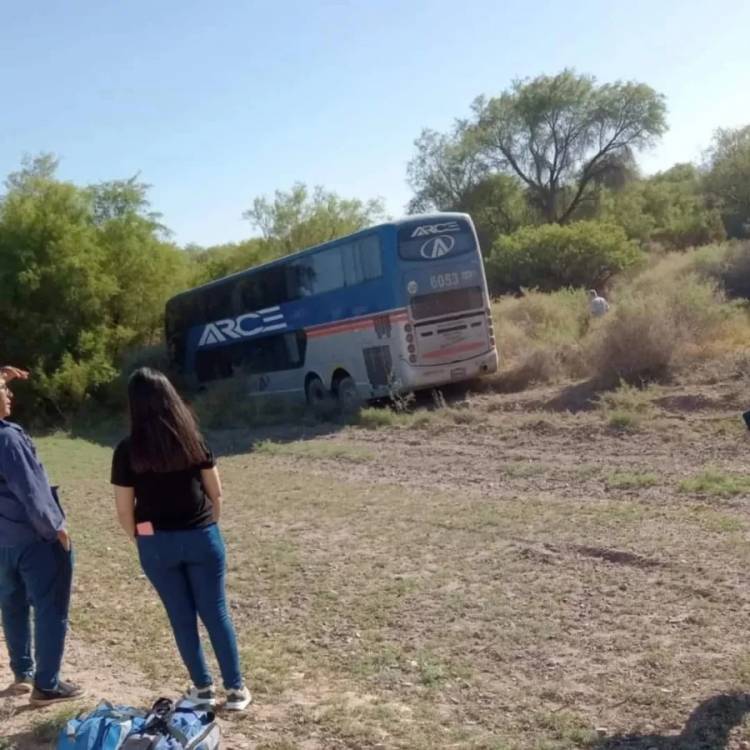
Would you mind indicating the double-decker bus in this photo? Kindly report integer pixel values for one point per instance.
(394, 308)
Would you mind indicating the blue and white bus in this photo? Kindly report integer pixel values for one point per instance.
(394, 308)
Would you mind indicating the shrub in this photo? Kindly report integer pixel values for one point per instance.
(551, 256)
(556, 318)
(728, 265)
(625, 407)
(538, 337)
(653, 325)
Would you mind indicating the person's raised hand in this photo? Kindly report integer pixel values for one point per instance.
(8, 373)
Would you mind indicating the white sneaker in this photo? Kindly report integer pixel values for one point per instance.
(205, 696)
(238, 700)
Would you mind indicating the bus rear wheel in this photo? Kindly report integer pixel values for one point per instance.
(317, 396)
(347, 395)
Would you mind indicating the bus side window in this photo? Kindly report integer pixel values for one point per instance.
(368, 251)
(299, 279)
(218, 303)
(328, 270)
(362, 260)
(246, 295)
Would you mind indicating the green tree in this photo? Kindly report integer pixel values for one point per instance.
(445, 169)
(299, 218)
(561, 134)
(728, 178)
(221, 260)
(552, 256)
(120, 199)
(670, 208)
(54, 286)
(84, 274)
(448, 173)
(498, 206)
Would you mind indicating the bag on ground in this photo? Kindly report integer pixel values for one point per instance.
(104, 728)
(175, 727)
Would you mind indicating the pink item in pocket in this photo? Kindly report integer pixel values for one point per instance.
(145, 528)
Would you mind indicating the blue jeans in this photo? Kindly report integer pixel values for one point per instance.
(187, 569)
(36, 574)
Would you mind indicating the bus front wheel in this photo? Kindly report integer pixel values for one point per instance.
(347, 395)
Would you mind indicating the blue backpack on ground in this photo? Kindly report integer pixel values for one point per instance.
(175, 727)
(165, 727)
(104, 728)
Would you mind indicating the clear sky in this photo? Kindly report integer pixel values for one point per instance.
(214, 102)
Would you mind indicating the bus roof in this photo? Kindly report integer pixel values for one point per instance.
(314, 248)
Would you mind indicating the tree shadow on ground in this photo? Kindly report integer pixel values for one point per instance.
(239, 439)
(707, 728)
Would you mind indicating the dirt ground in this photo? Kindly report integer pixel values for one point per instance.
(500, 573)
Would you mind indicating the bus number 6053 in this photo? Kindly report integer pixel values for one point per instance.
(443, 280)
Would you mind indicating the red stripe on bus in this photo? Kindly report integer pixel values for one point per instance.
(354, 324)
(318, 332)
(454, 350)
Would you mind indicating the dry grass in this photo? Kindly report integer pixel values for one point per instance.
(664, 319)
(516, 580)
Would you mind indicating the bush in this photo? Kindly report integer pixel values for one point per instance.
(727, 264)
(557, 318)
(656, 325)
(551, 257)
(538, 336)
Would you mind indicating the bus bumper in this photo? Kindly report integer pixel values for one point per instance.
(416, 377)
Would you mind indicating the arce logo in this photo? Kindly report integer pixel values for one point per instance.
(243, 326)
(428, 229)
(437, 247)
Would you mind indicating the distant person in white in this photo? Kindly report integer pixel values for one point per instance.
(597, 304)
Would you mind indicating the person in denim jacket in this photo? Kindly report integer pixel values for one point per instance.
(36, 562)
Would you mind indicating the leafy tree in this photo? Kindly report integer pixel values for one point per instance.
(449, 173)
(498, 206)
(560, 134)
(53, 283)
(120, 199)
(728, 178)
(298, 219)
(551, 257)
(83, 275)
(221, 260)
(669, 208)
(445, 170)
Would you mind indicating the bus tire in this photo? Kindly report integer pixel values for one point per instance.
(317, 396)
(347, 395)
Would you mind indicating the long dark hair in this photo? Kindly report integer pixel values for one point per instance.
(164, 435)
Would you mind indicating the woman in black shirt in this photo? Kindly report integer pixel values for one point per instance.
(168, 498)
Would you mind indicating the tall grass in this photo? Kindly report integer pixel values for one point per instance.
(674, 312)
(539, 336)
